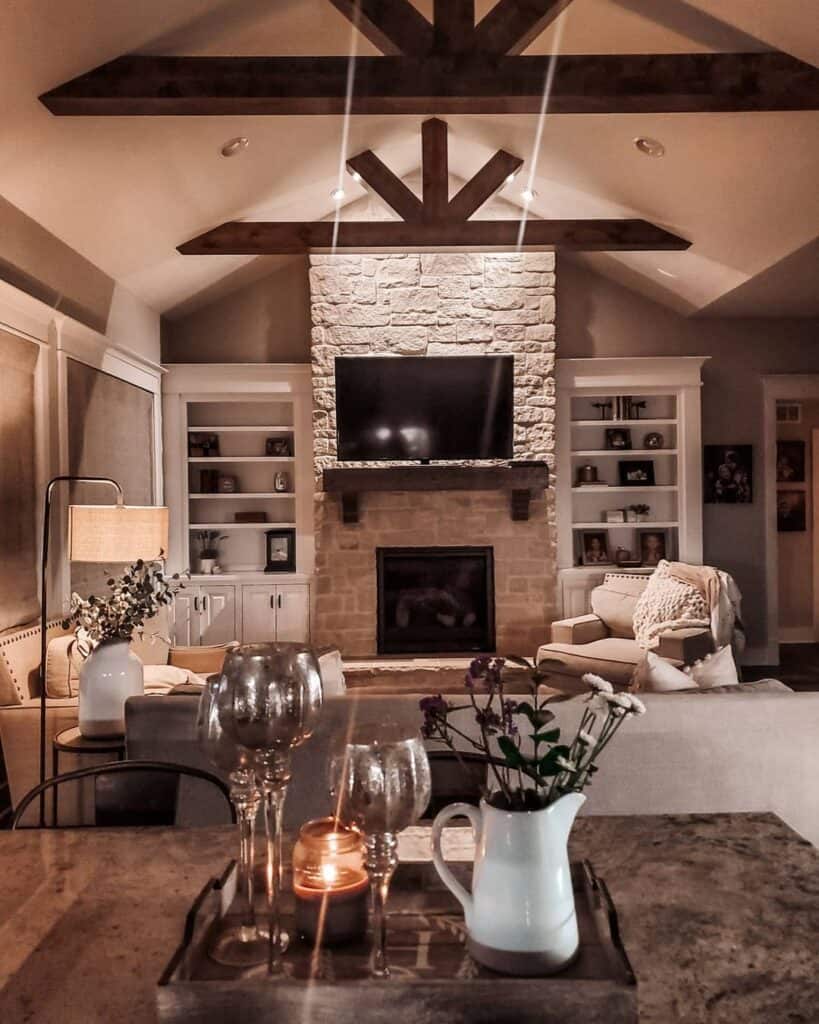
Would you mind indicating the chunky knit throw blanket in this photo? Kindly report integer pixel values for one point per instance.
(680, 596)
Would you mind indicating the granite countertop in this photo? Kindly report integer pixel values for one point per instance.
(719, 914)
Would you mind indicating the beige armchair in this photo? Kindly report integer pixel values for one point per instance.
(603, 641)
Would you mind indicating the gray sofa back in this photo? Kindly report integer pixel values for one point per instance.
(750, 750)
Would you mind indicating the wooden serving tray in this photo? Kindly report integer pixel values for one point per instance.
(434, 980)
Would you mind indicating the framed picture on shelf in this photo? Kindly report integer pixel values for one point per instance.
(652, 546)
(203, 446)
(618, 439)
(791, 511)
(595, 548)
(728, 471)
(280, 550)
(279, 447)
(790, 462)
(636, 473)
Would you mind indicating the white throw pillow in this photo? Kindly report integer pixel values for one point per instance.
(715, 670)
(656, 675)
(161, 678)
(331, 669)
(63, 663)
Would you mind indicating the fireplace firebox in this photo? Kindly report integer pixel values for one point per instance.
(438, 600)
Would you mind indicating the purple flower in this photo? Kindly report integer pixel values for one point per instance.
(507, 711)
(433, 705)
(435, 711)
(484, 673)
(489, 721)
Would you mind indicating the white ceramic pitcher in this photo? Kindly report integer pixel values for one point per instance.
(520, 914)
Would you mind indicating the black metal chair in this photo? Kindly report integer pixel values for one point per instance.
(456, 778)
(130, 793)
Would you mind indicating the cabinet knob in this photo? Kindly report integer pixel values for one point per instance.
(272, 601)
(196, 604)
(280, 600)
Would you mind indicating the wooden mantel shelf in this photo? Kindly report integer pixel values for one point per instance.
(523, 481)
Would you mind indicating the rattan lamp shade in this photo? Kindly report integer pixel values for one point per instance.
(117, 533)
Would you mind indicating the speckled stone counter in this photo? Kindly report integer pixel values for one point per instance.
(719, 913)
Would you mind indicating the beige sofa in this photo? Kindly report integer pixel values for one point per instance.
(603, 642)
(20, 697)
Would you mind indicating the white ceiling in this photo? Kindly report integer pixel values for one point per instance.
(126, 191)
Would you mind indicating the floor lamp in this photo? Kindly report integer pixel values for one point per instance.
(96, 533)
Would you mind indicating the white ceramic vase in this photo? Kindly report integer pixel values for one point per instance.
(108, 677)
(206, 566)
(520, 915)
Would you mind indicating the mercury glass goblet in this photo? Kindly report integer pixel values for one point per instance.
(246, 944)
(382, 785)
(269, 703)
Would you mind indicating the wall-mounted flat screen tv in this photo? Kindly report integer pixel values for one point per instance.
(412, 408)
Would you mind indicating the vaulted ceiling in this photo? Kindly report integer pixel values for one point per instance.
(125, 192)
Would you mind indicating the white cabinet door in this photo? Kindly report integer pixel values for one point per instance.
(186, 617)
(293, 613)
(217, 614)
(258, 614)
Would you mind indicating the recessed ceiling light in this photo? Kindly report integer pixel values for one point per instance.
(665, 273)
(234, 146)
(356, 176)
(528, 195)
(337, 194)
(649, 147)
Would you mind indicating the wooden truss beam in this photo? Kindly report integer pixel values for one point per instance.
(262, 238)
(463, 83)
(512, 25)
(394, 26)
(432, 222)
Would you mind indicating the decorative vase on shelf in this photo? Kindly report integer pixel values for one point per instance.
(520, 916)
(207, 565)
(108, 677)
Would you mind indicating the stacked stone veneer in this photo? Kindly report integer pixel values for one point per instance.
(436, 305)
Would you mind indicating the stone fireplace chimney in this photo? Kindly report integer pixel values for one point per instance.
(437, 304)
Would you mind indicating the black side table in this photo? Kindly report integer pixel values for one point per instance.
(71, 741)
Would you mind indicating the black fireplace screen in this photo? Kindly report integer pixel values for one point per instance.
(435, 600)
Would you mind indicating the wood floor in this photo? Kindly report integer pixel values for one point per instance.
(798, 667)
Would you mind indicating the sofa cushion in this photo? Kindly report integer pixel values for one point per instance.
(20, 662)
(63, 662)
(614, 602)
(614, 659)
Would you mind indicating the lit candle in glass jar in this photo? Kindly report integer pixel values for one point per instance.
(330, 883)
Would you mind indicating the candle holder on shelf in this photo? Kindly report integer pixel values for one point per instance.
(330, 883)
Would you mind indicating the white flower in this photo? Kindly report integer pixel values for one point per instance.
(597, 684)
(637, 706)
(566, 765)
(586, 738)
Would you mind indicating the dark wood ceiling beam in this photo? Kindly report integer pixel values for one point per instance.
(512, 25)
(483, 84)
(454, 25)
(478, 190)
(387, 186)
(394, 26)
(435, 168)
(263, 238)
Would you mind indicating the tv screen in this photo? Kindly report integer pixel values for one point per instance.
(412, 408)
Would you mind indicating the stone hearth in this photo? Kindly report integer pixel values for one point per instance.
(435, 305)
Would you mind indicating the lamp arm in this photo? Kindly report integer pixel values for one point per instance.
(52, 483)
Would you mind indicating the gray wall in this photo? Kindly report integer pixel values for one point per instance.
(267, 321)
(596, 317)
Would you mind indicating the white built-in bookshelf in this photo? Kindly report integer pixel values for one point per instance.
(628, 434)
